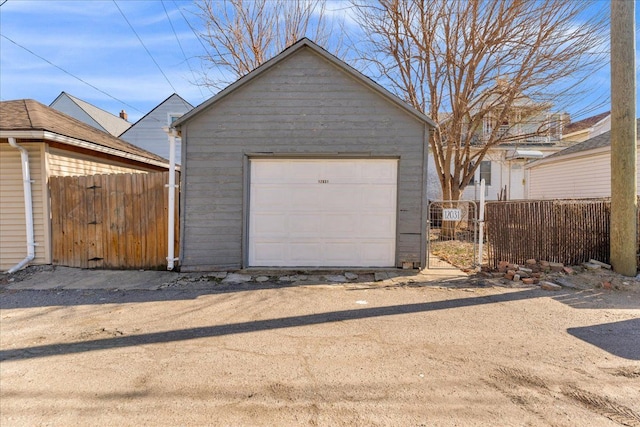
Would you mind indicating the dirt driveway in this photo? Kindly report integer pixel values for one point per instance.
(330, 355)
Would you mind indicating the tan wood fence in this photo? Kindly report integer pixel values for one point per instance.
(116, 221)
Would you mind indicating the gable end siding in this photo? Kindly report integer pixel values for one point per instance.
(302, 106)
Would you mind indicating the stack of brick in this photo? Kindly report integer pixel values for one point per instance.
(531, 272)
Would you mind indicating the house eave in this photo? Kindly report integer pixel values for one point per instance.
(63, 139)
(555, 159)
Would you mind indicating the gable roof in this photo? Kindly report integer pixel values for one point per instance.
(110, 123)
(585, 123)
(300, 44)
(601, 141)
(26, 118)
(186, 104)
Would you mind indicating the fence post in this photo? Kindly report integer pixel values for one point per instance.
(481, 227)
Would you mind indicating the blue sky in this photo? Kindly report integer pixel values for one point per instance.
(93, 41)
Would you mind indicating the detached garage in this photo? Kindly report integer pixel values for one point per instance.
(304, 162)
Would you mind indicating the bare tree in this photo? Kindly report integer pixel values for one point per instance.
(242, 34)
(481, 68)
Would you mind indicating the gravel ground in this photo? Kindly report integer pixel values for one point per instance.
(396, 352)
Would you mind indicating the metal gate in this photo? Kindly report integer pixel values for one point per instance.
(452, 234)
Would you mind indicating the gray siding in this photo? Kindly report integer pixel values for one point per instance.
(304, 105)
(70, 108)
(147, 132)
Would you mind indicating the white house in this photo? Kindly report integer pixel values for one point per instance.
(503, 165)
(580, 171)
(90, 114)
(147, 132)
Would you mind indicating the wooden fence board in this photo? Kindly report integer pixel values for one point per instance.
(114, 221)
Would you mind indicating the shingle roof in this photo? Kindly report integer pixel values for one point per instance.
(584, 123)
(27, 114)
(109, 122)
(602, 140)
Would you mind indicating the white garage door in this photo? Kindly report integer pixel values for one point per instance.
(322, 213)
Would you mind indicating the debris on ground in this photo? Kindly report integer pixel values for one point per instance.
(552, 276)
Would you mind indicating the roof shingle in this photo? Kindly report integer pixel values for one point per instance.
(28, 114)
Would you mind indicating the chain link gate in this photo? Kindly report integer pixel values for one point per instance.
(452, 234)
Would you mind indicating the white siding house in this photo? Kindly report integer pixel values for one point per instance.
(580, 171)
(147, 132)
(90, 114)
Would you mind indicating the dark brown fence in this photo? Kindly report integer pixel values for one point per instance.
(567, 231)
(114, 221)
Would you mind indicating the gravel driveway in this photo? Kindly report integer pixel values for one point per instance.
(323, 354)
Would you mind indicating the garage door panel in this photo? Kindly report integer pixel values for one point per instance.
(340, 198)
(374, 225)
(341, 254)
(379, 197)
(376, 252)
(270, 225)
(322, 212)
(301, 198)
(335, 225)
(380, 174)
(267, 196)
(303, 254)
(303, 225)
(269, 252)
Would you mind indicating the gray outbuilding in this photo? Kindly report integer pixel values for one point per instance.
(304, 162)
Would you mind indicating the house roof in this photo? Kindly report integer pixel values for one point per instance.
(110, 123)
(600, 141)
(585, 123)
(189, 106)
(25, 115)
(300, 44)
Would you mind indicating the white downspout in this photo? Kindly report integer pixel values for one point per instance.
(171, 257)
(28, 207)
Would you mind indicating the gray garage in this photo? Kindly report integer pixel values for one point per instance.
(304, 162)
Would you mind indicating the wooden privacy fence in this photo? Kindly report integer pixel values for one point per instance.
(567, 231)
(116, 221)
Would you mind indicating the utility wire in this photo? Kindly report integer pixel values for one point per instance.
(180, 44)
(145, 47)
(72, 75)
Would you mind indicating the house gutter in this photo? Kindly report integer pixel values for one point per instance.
(50, 136)
(171, 256)
(28, 207)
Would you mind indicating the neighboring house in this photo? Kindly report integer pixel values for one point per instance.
(503, 165)
(580, 171)
(56, 145)
(90, 114)
(587, 128)
(148, 133)
(303, 162)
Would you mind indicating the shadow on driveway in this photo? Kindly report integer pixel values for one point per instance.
(621, 339)
(259, 325)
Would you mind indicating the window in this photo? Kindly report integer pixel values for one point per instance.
(172, 117)
(485, 172)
